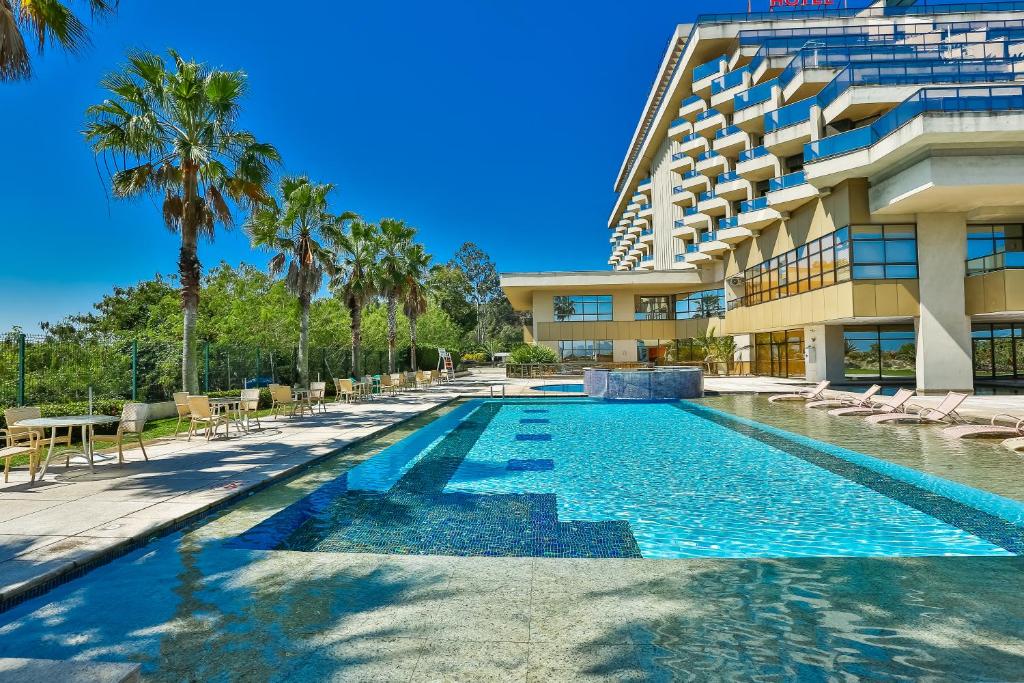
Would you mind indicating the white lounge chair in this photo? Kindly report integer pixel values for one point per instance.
(944, 413)
(890, 404)
(864, 399)
(991, 430)
(807, 395)
(1014, 444)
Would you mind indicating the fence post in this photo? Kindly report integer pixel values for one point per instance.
(21, 370)
(135, 370)
(206, 367)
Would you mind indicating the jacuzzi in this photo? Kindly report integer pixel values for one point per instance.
(666, 382)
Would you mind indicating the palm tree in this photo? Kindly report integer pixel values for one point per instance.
(304, 234)
(416, 288)
(395, 237)
(48, 21)
(354, 280)
(171, 132)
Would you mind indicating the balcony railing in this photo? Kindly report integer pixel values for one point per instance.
(1002, 260)
(786, 181)
(726, 223)
(644, 207)
(691, 137)
(938, 100)
(877, 11)
(704, 196)
(646, 181)
(756, 95)
(646, 231)
(728, 130)
(707, 114)
(691, 174)
(790, 115)
(708, 236)
(728, 177)
(748, 154)
(690, 210)
(692, 248)
(729, 80)
(710, 154)
(676, 156)
(692, 99)
(706, 69)
(678, 223)
(678, 122)
(679, 257)
(678, 189)
(754, 204)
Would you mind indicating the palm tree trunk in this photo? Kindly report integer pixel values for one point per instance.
(392, 330)
(189, 273)
(412, 341)
(356, 315)
(303, 359)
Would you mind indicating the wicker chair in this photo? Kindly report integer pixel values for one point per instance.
(249, 406)
(344, 389)
(14, 415)
(203, 414)
(181, 403)
(317, 394)
(133, 421)
(386, 385)
(20, 443)
(283, 399)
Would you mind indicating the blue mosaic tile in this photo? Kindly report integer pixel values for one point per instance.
(533, 437)
(531, 465)
(534, 421)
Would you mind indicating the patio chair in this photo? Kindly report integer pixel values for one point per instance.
(14, 444)
(410, 380)
(991, 430)
(133, 421)
(344, 389)
(422, 379)
(181, 404)
(397, 381)
(386, 385)
(1015, 444)
(249, 406)
(366, 386)
(282, 399)
(807, 395)
(890, 404)
(945, 413)
(14, 415)
(435, 377)
(317, 394)
(202, 414)
(863, 399)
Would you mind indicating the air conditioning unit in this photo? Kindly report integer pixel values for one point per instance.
(736, 280)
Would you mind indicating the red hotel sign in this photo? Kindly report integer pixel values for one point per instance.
(800, 3)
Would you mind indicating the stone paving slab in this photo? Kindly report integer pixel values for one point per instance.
(17, 670)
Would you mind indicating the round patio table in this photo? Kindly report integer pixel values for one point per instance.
(86, 422)
(232, 407)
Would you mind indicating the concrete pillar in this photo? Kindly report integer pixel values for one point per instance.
(825, 353)
(944, 329)
(624, 350)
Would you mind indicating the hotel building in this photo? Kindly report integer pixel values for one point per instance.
(840, 190)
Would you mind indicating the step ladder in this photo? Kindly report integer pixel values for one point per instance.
(445, 367)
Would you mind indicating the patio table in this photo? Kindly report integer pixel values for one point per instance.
(232, 407)
(86, 422)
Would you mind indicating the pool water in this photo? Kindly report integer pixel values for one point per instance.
(560, 388)
(585, 478)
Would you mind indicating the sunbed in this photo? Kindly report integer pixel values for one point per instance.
(944, 413)
(891, 404)
(807, 395)
(991, 430)
(864, 399)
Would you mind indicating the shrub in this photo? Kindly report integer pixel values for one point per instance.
(525, 354)
(476, 357)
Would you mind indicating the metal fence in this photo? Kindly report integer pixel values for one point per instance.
(38, 369)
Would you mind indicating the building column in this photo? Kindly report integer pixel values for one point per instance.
(824, 353)
(943, 328)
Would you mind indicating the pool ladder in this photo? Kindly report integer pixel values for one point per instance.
(493, 387)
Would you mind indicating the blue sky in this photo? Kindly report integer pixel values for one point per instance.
(503, 123)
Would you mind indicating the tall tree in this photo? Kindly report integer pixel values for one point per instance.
(450, 289)
(304, 234)
(354, 281)
(417, 283)
(395, 238)
(482, 275)
(43, 22)
(171, 130)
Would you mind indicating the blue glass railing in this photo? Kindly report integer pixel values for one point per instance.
(748, 154)
(726, 223)
(706, 69)
(732, 79)
(680, 257)
(678, 189)
(691, 174)
(645, 181)
(786, 181)
(678, 223)
(707, 114)
(647, 231)
(692, 99)
(708, 236)
(1002, 260)
(754, 204)
(676, 156)
(728, 130)
(823, 57)
(787, 44)
(790, 115)
(756, 95)
(976, 99)
(689, 211)
(883, 11)
(678, 122)
(692, 248)
(728, 177)
(646, 259)
(704, 196)
(925, 73)
(691, 137)
(704, 156)
(644, 207)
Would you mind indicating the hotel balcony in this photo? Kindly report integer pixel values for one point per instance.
(695, 219)
(681, 162)
(695, 181)
(790, 191)
(633, 206)
(753, 104)
(695, 256)
(647, 235)
(645, 185)
(806, 82)
(681, 230)
(679, 262)
(646, 263)
(679, 129)
(755, 214)
(646, 210)
(711, 245)
(731, 186)
(708, 122)
(692, 107)
(638, 198)
(711, 204)
(756, 164)
(731, 140)
(730, 232)
(693, 144)
(629, 215)
(705, 74)
(725, 88)
(633, 230)
(683, 197)
(712, 163)
(789, 128)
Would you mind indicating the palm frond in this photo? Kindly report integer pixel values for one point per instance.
(14, 56)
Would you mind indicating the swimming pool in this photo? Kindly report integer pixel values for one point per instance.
(584, 478)
(560, 388)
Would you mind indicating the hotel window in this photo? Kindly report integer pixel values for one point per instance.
(998, 350)
(780, 353)
(583, 308)
(707, 304)
(653, 308)
(994, 247)
(880, 351)
(596, 350)
(884, 252)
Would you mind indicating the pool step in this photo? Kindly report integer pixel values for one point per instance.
(20, 670)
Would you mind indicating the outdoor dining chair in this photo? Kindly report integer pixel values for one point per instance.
(203, 414)
(15, 415)
(282, 399)
(317, 394)
(14, 444)
(249, 406)
(181, 404)
(344, 389)
(386, 385)
(133, 422)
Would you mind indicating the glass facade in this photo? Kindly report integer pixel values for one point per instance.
(707, 304)
(998, 350)
(599, 350)
(880, 351)
(669, 351)
(994, 247)
(779, 354)
(583, 308)
(653, 308)
(860, 252)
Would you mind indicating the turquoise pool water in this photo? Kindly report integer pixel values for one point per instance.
(560, 388)
(586, 478)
